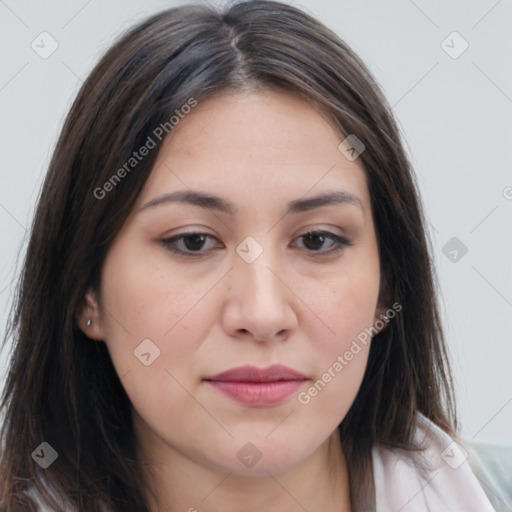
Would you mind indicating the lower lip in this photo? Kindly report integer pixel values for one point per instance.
(258, 394)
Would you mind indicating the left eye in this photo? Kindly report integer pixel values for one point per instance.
(314, 240)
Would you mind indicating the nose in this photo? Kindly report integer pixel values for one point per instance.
(259, 303)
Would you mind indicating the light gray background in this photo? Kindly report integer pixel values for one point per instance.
(455, 114)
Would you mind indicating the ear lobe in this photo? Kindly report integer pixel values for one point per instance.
(380, 320)
(89, 318)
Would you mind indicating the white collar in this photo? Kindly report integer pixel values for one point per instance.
(447, 484)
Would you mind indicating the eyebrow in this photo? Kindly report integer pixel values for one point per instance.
(216, 203)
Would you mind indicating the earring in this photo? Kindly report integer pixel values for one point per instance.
(385, 318)
(89, 322)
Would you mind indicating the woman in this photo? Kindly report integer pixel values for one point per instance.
(227, 300)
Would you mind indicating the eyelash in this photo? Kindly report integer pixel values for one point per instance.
(340, 243)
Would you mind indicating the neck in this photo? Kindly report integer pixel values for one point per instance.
(180, 484)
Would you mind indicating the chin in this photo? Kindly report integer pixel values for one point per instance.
(261, 457)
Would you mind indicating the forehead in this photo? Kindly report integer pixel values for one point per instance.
(255, 142)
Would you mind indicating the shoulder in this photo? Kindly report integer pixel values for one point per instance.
(438, 477)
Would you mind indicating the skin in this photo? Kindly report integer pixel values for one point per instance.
(296, 305)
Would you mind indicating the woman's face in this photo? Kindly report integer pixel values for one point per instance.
(253, 289)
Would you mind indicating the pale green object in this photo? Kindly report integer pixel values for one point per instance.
(492, 465)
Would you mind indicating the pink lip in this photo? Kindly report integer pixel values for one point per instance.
(258, 386)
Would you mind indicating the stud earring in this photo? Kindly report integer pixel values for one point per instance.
(89, 322)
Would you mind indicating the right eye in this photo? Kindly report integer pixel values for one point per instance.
(187, 244)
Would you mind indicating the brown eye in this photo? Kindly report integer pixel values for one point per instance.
(188, 244)
(194, 242)
(314, 241)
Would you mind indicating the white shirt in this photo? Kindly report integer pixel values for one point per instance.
(447, 485)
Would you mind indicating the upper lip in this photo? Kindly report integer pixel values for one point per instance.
(253, 374)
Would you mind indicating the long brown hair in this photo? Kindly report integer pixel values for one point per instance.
(61, 388)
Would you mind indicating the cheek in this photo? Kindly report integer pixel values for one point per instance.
(340, 359)
(141, 303)
(143, 297)
(340, 343)
(347, 302)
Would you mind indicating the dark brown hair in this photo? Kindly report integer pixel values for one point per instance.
(63, 389)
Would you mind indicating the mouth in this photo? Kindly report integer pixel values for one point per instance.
(258, 387)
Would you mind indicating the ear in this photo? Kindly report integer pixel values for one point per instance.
(383, 305)
(89, 318)
(380, 319)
